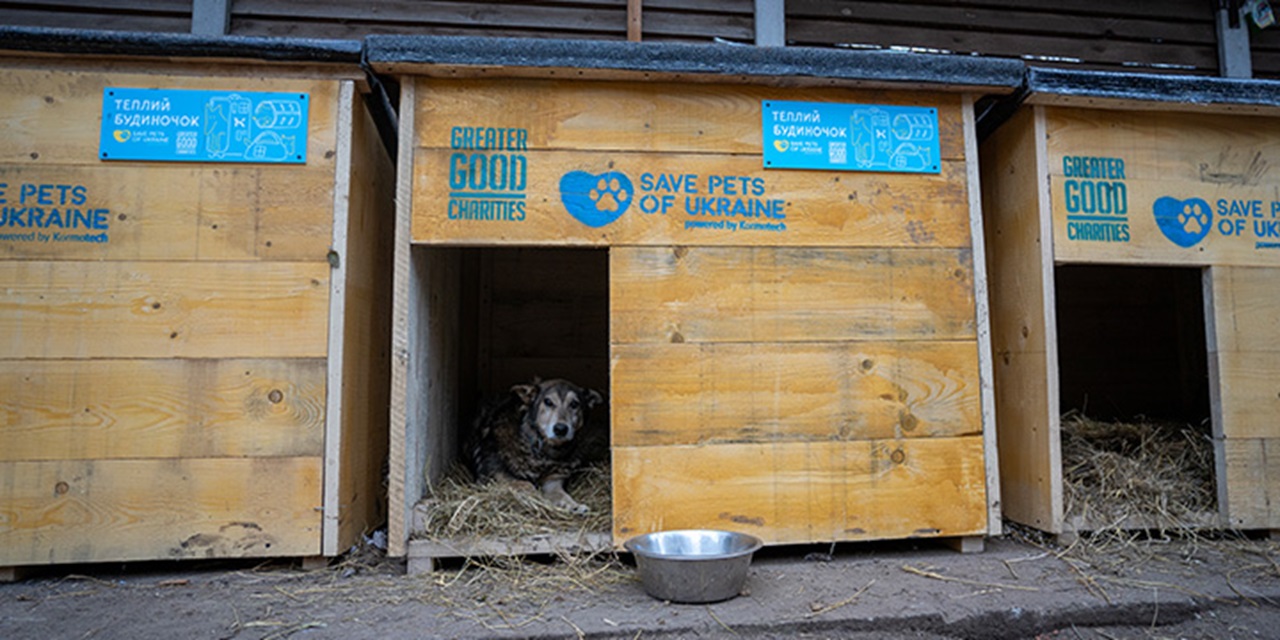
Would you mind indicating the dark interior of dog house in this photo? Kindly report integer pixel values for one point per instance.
(1134, 394)
(1131, 343)
(533, 312)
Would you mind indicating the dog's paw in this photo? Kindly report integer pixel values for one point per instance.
(572, 506)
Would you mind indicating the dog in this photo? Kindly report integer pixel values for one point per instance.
(534, 433)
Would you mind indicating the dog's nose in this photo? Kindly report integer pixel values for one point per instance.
(561, 430)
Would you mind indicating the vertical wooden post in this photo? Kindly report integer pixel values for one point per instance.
(771, 23)
(211, 17)
(1233, 42)
(404, 485)
(982, 310)
(634, 21)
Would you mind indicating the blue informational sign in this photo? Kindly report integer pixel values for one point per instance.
(182, 125)
(850, 137)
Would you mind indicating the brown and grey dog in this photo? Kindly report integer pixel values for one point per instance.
(534, 433)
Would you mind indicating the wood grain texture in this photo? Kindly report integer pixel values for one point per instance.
(404, 483)
(1249, 383)
(541, 312)
(651, 116)
(1022, 321)
(51, 116)
(982, 319)
(117, 510)
(1249, 480)
(1244, 351)
(819, 208)
(804, 492)
(423, 554)
(677, 394)
(163, 309)
(1247, 309)
(177, 212)
(766, 294)
(1195, 150)
(1147, 244)
(1216, 158)
(357, 448)
(699, 21)
(438, 383)
(172, 408)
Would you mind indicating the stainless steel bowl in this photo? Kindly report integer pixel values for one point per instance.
(695, 565)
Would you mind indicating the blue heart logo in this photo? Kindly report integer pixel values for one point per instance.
(1185, 222)
(596, 200)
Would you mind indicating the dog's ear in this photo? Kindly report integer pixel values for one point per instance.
(593, 398)
(526, 392)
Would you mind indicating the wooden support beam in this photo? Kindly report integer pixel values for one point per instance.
(211, 17)
(771, 23)
(1233, 41)
(14, 574)
(966, 544)
(634, 21)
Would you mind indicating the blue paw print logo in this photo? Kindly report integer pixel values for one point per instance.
(1184, 222)
(596, 200)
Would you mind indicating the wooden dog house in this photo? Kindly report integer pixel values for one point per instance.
(796, 353)
(191, 352)
(1118, 171)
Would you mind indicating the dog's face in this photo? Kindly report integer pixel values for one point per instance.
(557, 407)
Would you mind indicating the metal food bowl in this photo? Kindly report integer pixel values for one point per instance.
(696, 565)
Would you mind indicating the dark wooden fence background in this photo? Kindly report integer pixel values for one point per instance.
(1174, 36)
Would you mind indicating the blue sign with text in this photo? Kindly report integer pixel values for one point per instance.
(186, 125)
(850, 137)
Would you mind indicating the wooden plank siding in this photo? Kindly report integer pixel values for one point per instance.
(161, 16)
(805, 492)
(1244, 371)
(1149, 36)
(359, 350)
(62, 511)
(817, 382)
(664, 20)
(674, 129)
(167, 389)
(1023, 324)
(1214, 169)
(1158, 37)
(1228, 163)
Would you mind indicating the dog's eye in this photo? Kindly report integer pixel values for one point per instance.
(573, 404)
(546, 402)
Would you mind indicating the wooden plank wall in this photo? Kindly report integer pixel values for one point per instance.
(1023, 327)
(162, 16)
(816, 383)
(1244, 346)
(1227, 164)
(1124, 36)
(165, 390)
(1214, 169)
(359, 330)
(541, 312)
(1157, 37)
(664, 20)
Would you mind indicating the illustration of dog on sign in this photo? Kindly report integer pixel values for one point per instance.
(534, 433)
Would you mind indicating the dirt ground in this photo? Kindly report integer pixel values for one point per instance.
(1020, 587)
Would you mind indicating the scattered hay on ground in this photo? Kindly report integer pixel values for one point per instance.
(1118, 475)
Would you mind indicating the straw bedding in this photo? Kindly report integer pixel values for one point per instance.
(1116, 474)
(459, 509)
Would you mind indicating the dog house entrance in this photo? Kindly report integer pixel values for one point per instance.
(532, 313)
(1134, 394)
(517, 314)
